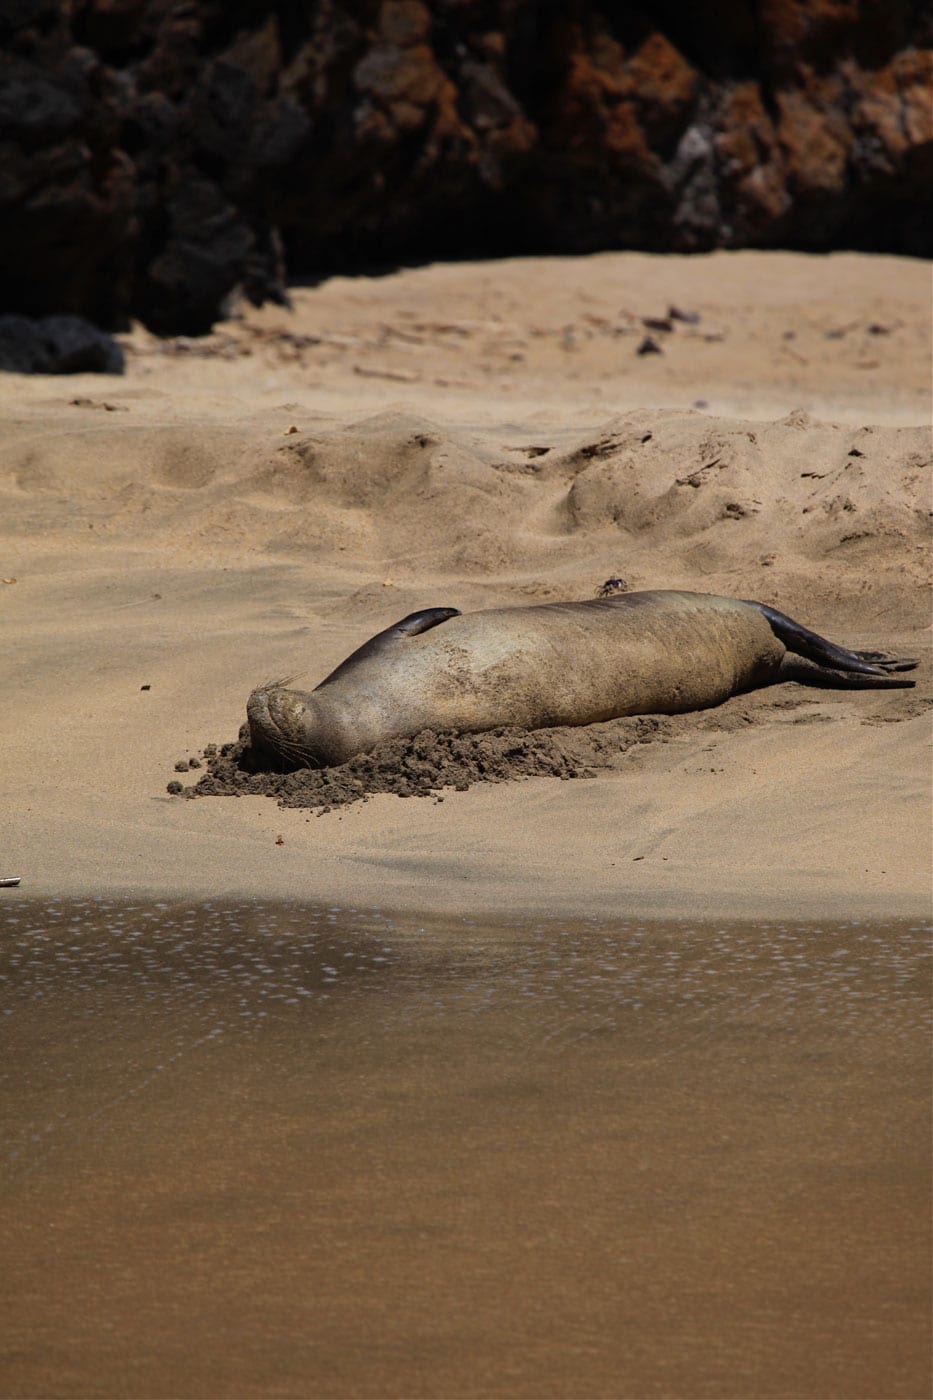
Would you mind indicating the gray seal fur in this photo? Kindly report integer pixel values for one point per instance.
(658, 652)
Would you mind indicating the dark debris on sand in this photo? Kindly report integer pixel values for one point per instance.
(424, 765)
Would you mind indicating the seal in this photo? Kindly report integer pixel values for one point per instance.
(658, 652)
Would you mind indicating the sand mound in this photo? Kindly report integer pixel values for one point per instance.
(662, 497)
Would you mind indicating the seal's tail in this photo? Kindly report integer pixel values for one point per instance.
(817, 661)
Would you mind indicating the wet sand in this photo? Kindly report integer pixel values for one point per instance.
(264, 1150)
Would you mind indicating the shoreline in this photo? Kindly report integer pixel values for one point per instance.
(478, 920)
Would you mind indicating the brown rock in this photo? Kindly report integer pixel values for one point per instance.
(665, 86)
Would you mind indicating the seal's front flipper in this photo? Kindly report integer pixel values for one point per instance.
(817, 661)
(410, 626)
(418, 622)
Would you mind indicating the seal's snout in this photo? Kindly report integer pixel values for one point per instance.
(281, 725)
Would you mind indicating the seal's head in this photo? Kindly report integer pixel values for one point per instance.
(282, 726)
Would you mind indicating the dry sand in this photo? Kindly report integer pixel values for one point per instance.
(260, 502)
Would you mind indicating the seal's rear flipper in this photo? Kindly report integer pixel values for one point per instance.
(816, 661)
(410, 626)
(807, 672)
(889, 663)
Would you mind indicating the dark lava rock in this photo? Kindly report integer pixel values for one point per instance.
(56, 345)
(156, 156)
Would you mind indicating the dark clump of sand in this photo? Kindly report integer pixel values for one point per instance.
(423, 765)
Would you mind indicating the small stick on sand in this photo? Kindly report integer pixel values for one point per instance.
(9, 882)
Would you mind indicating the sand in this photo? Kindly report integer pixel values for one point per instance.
(259, 502)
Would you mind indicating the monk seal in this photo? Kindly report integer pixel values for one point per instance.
(658, 652)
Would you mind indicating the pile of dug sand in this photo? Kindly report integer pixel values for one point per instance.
(423, 765)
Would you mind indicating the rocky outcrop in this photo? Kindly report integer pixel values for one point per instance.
(156, 155)
(57, 345)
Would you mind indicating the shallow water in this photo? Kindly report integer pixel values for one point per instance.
(277, 1151)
